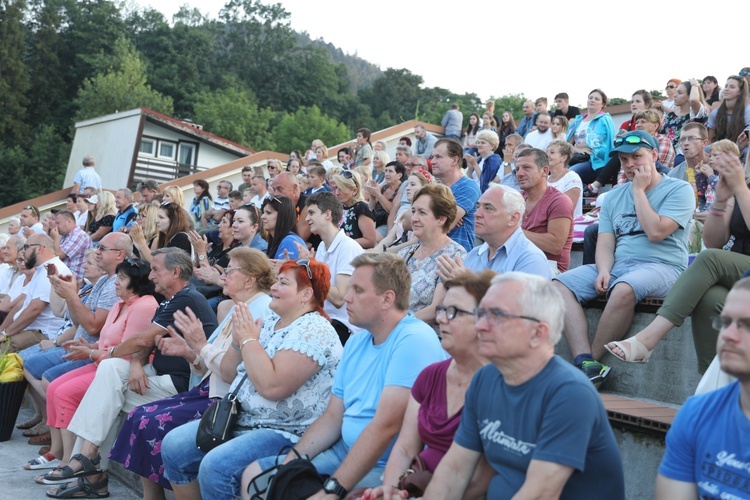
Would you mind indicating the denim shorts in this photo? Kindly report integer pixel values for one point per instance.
(646, 278)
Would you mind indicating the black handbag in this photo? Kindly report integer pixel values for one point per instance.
(218, 423)
(295, 480)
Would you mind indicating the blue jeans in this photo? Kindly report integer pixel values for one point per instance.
(219, 471)
(585, 171)
(49, 362)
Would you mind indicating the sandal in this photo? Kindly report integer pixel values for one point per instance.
(82, 489)
(635, 353)
(43, 478)
(46, 461)
(36, 430)
(90, 467)
(41, 439)
(33, 421)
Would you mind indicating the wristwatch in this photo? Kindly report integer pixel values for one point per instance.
(333, 486)
(201, 258)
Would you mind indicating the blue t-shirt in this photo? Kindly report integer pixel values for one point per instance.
(709, 445)
(366, 369)
(557, 416)
(124, 219)
(467, 194)
(671, 198)
(288, 244)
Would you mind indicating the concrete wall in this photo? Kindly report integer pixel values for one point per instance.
(111, 142)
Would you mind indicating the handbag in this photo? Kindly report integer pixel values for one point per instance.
(295, 480)
(416, 478)
(218, 423)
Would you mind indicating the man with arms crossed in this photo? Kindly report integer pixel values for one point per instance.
(563, 446)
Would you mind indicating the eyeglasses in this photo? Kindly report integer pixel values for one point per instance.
(670, 87)
(451, 312)
(29, 245)
(723, 322)
(494, 315)
(410, 164)
(690, 138)
(306, 263)
(33, 209)
(229, 270)
(745, 72)
(102, 248)
(632, 139)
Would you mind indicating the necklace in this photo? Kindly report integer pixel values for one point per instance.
(438, 247)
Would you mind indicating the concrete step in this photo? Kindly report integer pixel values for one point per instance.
(670, 376)
(641, 455)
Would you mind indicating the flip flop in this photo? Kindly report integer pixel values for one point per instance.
(83, 488)
(635, 352)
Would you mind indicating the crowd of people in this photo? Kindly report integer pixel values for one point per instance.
(362, 309)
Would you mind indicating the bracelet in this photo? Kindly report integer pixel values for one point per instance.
(112, 352)
(235, 346)
(245, 342)
(197, 361)
(91, 354)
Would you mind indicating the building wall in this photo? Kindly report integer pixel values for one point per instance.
(111, 143)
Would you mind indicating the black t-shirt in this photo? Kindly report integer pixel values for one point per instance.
(181, 241)
(572, 113)
(177, 367)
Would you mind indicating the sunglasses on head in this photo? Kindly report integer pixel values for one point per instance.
(306, 263)
(33, 209)
(632, 139)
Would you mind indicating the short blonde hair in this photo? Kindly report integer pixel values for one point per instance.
(724, 146)
(175, 193)
(382, 156)
(489, 136)
(353, 183)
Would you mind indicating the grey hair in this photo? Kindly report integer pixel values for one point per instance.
(226, 183)
(404, 149)
(419, 159)
(14, 219)
(512, 200)
(88, 161)
(489, 136)
(176, 257)
(4, 237)
(127, 193)
(539, 299)
(20, 241)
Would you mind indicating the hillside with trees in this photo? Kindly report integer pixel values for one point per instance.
(246, 76)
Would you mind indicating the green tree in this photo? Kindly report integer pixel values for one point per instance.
(233, 113)
(396, 93)
(121, 88)
(297, 130)
(14, 78)
(617, 100)
(512, 103)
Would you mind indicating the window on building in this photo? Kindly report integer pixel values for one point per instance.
(187, 154)
(148, 147)
(167, 150)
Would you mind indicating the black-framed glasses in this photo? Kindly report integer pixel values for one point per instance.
(670, 87)
(451, 312)
(306, 263)
(26, 246)
(632, 139)
(724, 322)
(495, 314)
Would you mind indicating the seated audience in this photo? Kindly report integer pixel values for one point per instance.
(641, 251)
(358, 222)
(382, 196)
(105, 215)
(564, 446)
(483, 167)
(287, 362)
(732, 117)
(548, 220)
(246, 281)
(433, 211)
(351, 441)
(700, 290)
(437, 397)
(561, 177)
(591, 134)
(280, 222)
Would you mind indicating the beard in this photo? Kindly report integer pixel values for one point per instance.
(31, 261)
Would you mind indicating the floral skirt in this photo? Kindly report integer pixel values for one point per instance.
(138, 446)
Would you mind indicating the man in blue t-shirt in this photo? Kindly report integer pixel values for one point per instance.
(447, 160)
(640, 252)
(352, 440)
(708, 445)
(538, 421)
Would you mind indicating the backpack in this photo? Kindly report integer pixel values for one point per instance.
(295, 480)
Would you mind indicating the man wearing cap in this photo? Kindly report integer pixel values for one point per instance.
(86, 177)
(640, 252)
(745, 73)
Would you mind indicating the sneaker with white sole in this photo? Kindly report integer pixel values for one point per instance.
(596, 372)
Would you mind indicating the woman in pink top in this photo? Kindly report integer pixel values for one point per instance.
(437, 397)
(131, 315)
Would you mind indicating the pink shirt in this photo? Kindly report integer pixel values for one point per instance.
(553, 205)
(136, 318)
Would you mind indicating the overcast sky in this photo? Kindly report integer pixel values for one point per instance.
(495, 48)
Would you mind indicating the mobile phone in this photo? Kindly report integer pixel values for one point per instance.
(51, 269)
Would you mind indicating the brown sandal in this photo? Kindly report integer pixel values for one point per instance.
(28, 424)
